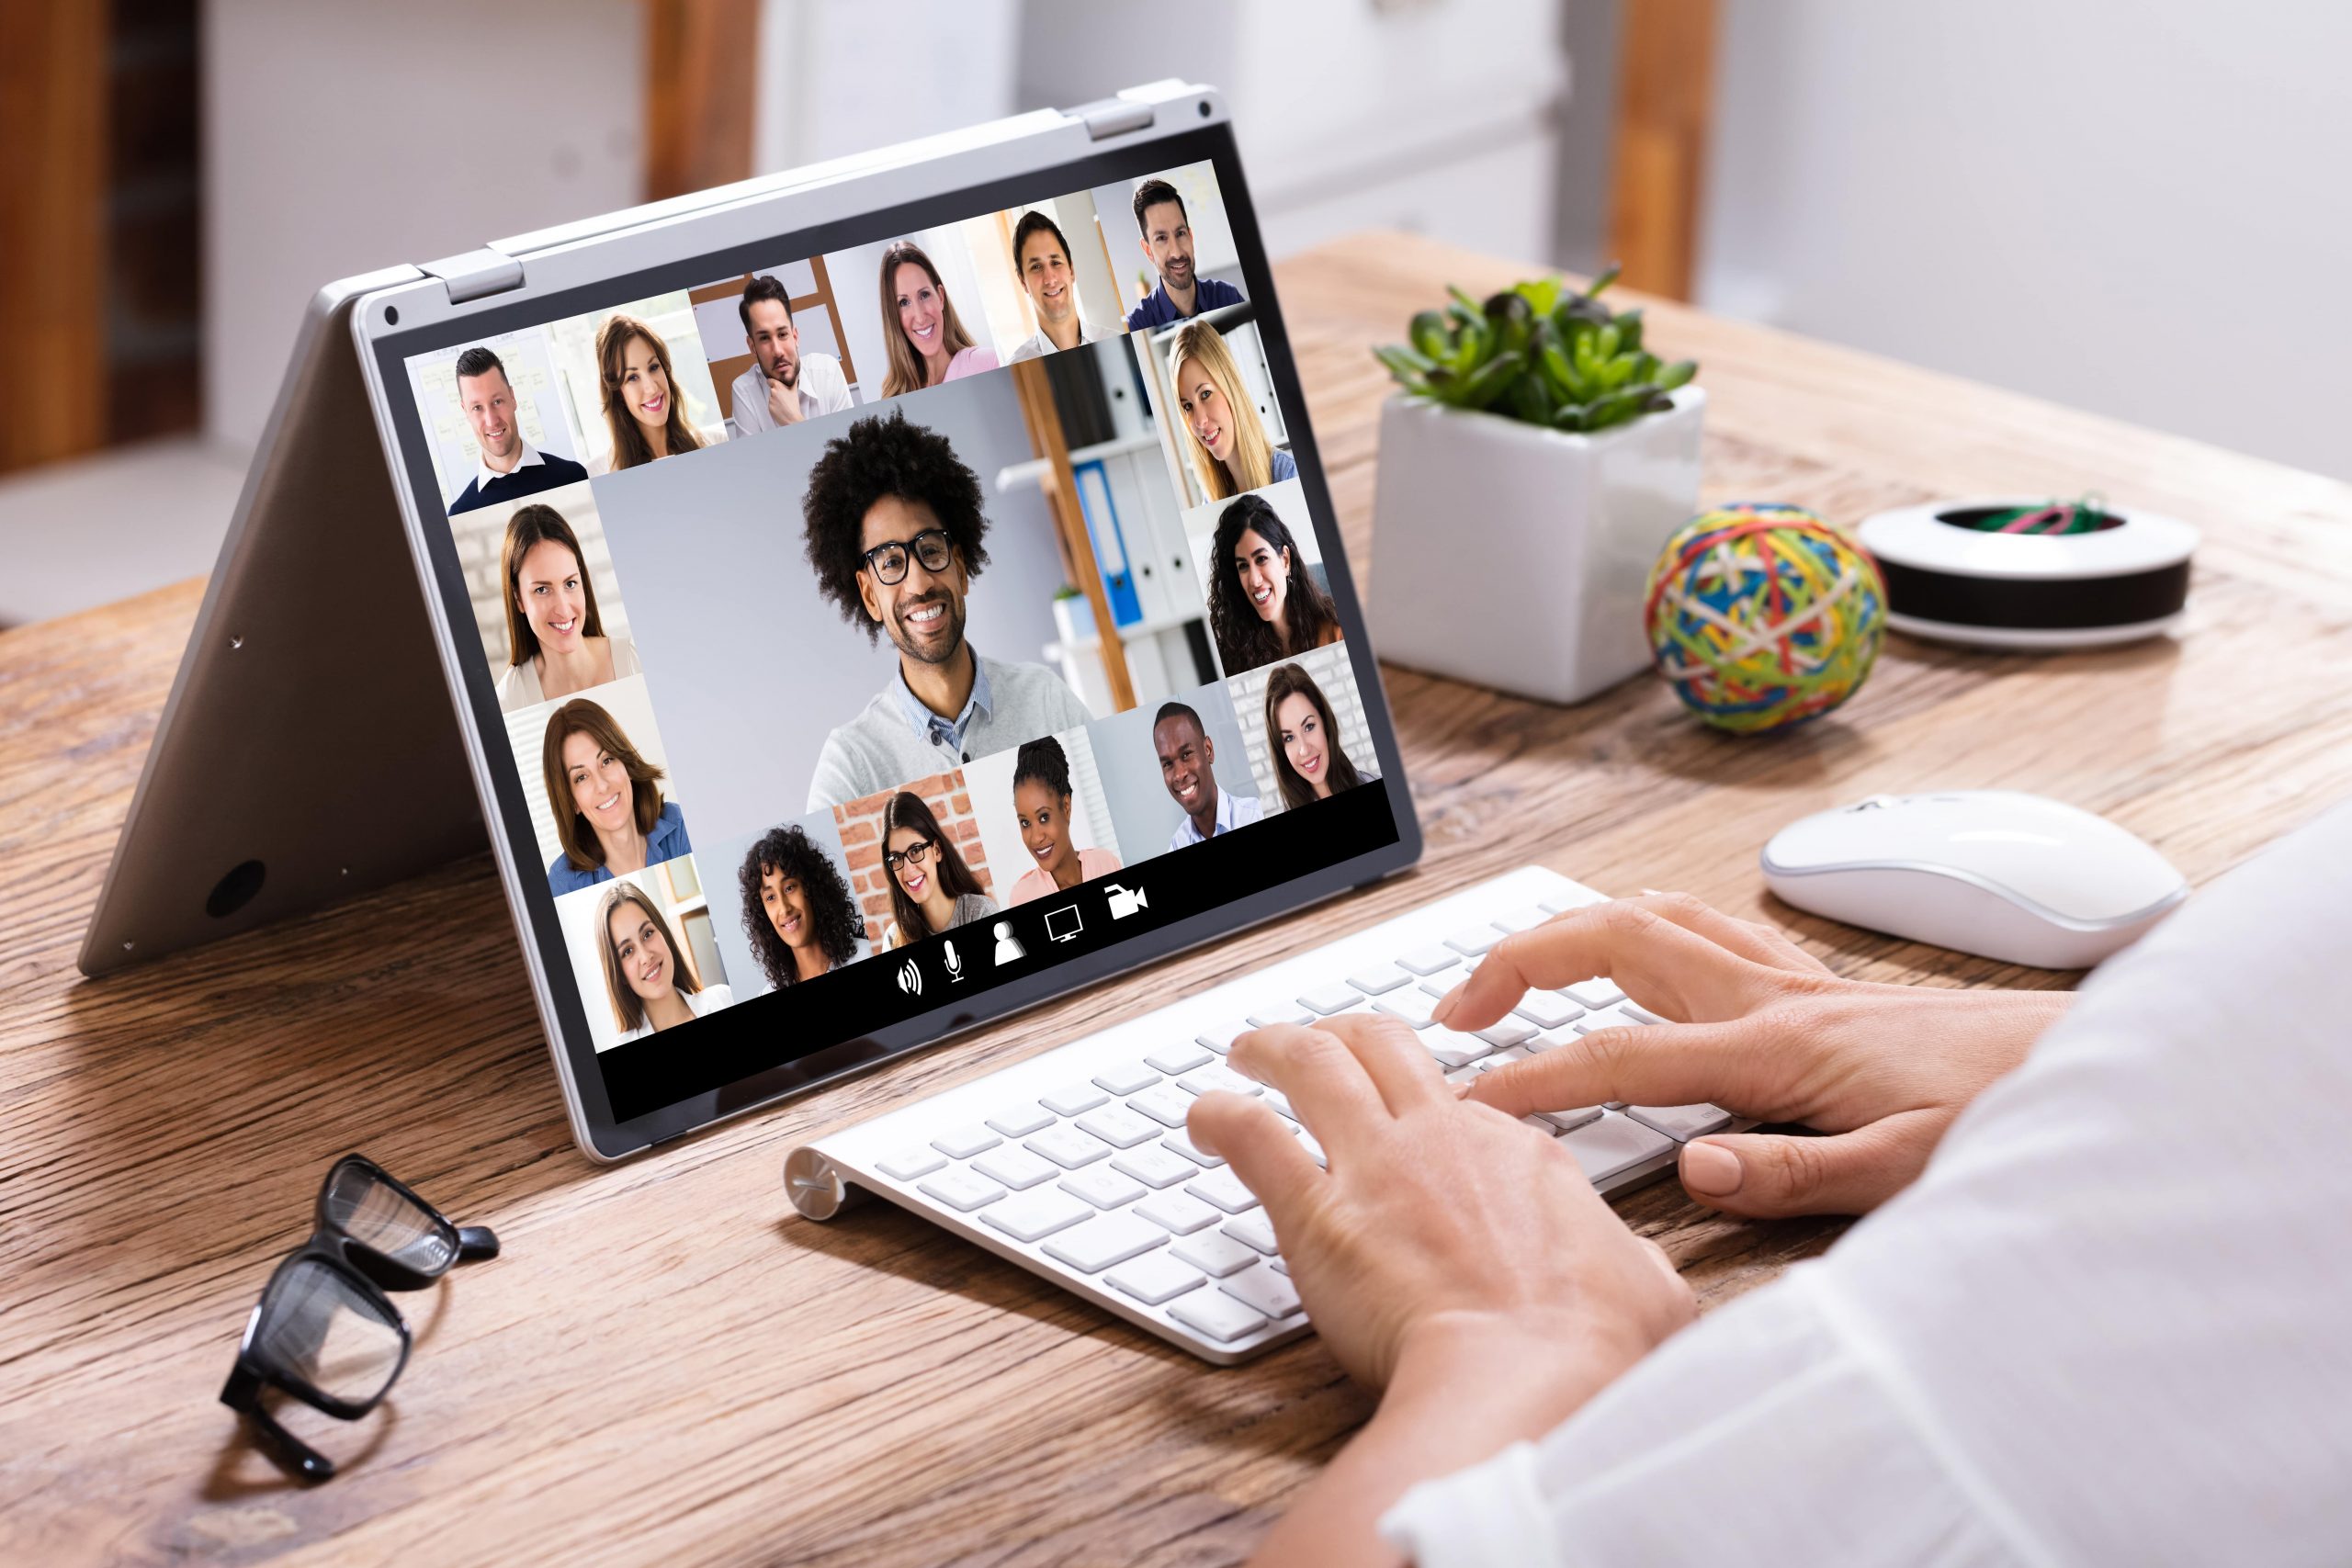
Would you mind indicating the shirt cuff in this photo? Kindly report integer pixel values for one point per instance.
(1490, 1516)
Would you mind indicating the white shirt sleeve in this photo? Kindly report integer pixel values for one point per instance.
(2106, 1325)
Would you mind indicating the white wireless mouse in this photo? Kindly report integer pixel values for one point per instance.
(1994, 872)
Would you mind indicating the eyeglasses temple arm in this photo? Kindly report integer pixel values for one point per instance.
(475, 1243)
(243, 1394)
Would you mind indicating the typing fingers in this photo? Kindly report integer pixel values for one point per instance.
(1756, 942)
(1665, 966)
(1659, 1064)
(1392, 1055)
(1324, 1081)
(1261, 1149)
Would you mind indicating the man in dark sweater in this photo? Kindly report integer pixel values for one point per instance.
(510, 468)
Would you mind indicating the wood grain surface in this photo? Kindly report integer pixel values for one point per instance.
(668, 1365)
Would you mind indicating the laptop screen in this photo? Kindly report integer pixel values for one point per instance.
(876, 626)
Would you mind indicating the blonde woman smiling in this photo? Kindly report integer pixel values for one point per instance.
(1230, 451)
(644, 415)
(555, 639)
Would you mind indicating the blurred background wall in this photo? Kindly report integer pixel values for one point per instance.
(2134, 208)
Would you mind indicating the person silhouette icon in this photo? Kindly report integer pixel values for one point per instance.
(1007, 946)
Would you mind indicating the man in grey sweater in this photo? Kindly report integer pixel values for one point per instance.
(895, 533)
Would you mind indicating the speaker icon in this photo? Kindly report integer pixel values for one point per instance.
(911, 979)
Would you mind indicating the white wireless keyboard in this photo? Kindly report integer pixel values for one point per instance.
(1074, 1164)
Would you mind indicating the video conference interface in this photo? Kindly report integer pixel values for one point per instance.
(909, 611)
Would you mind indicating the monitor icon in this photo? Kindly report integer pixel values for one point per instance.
(1063, 924)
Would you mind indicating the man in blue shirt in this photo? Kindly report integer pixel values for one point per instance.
(1168, 241)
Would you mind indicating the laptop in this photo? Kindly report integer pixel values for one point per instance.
(854, 606)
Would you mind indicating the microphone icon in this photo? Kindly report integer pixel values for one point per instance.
(954, 963)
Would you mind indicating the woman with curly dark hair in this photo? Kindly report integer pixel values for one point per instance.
(1264, 602)
(896, 537)
(798, 912)
(932, 890)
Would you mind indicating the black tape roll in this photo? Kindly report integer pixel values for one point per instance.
(2061, 604)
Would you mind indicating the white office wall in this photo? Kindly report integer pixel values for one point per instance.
(341, 139)
(2136, 208)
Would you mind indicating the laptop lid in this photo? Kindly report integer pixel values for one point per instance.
(880, 598)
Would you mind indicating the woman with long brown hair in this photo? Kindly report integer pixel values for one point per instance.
(932, 890)
(606, 799)
(644, 414)
(924, 336)
(1302, 738)
(1264, 602)
(1230, 451)
(555, 638)
(648, 977)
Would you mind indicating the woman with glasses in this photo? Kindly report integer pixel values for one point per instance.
(647, 978)
(932, 890)
(1264, 602)
(1230, 451)
(924, 336)
(1304, 739)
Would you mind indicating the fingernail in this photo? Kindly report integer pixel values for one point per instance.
(1446, 1003)
(1711, 1168)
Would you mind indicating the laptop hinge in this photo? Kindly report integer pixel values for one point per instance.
(1107, 117)
(476, 273)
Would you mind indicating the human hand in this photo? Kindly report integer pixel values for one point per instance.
(1764, 1030)
(1436, 1214)
(784, 403)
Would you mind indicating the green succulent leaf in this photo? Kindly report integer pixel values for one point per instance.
(1541, 294)
(1537, 351)
(1410, 369)
(1677, 374)
(1530, 398)
(1431, 335)
(1605, 280)
(1492, 380)
(1629, 330)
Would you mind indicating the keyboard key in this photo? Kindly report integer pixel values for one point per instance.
(1212, 1315)
(1067, 1147)
(1428, 960)
(1126, 1078)
(1155, 1167)
(1103, 1240)
(1593, 993)
(1278, 1266)
(1219, 1075)
(1681, 1122)
(1547, 1010)
(1593, 1023)
(1155, 1278)
(1179, 1058)
(908, 1164)
(1639, 1014)
(961, 1190)
(1262, 1289)
(1213, 1253)
(1273, 1013)
(1191, 1151)
(1103, 1187)
(1222, 1189)
(1559, 903)
(1072, 1098)
(965, 1141)
(1379, 978)
(1281, 1102)
(1164, 1103)
(1614, 1144)
(1503, 1058)
(1118, 1126)
(1525, 920)
(1016, 1168)
(1464, 1074)
(1176, 1211)
(1453, 1049)
(1413, 1006)
(1509, 1031)
(1314, 1150)
(1551, 1041)
(1020, 1121)
(1220, 1037)
(1253, 1231)
(1470, 943)
(1031, 1215)
(1329, 998)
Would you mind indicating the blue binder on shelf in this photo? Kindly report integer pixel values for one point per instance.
(1110, 545)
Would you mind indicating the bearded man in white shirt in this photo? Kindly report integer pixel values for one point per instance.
(782, 385)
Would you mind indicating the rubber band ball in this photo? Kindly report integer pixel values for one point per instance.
(1762, 616)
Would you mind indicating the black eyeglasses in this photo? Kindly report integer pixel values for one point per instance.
(915, 851)
(324, 1332)
(932, 547)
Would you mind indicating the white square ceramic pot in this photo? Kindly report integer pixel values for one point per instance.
(1515, 556)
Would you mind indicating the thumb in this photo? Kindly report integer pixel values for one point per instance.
(1771, 1175)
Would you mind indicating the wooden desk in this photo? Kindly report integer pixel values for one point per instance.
(667, 1364)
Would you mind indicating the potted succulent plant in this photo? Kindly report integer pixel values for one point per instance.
(1537, 459)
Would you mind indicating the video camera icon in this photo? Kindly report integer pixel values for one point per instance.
(1124, 902)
